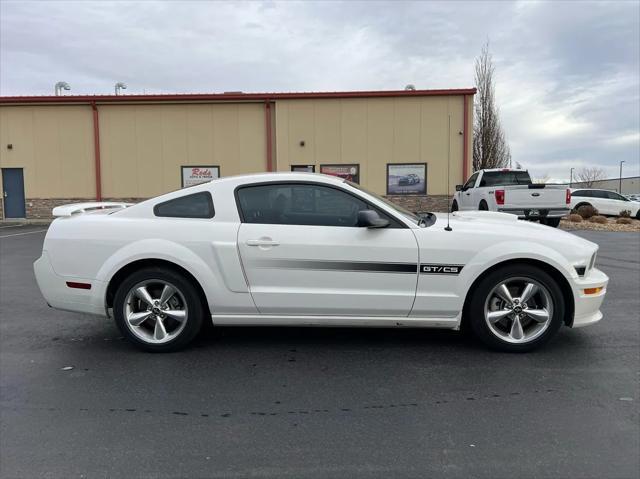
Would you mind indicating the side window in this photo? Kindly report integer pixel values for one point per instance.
(300, 204)
(197, 205)
(471, 181)
(581, 193)
(599, 194)
(615, 196)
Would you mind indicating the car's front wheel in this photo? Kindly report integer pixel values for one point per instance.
(158, 310)
(516, 308)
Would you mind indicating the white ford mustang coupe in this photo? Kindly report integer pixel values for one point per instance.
(301, 249)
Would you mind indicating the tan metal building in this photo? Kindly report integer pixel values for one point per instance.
(61, 149)
(629, 185)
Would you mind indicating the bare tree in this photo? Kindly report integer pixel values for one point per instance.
(490, 148)
(588, 176)
(543, 179)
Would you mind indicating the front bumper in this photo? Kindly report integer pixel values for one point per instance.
(529, 213)
(587, 306)
(58, 295)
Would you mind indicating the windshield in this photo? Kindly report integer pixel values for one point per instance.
(403, 211)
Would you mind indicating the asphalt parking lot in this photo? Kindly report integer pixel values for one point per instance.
(293, 402)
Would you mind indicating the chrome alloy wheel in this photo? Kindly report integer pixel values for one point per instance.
(518, 310)
(155, 311)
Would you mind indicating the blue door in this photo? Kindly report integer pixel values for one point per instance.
(13, 192)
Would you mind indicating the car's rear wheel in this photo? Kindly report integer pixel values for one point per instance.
(483, 206)
(516, 308)
(158, 310)
(553, 222)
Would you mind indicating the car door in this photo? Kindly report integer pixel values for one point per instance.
(600, 200)
(617, 203)
(303, 253)
(466, 195)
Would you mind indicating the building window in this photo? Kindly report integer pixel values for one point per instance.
(195, 175)
(406, 178)
(197, 205)
(346, 172)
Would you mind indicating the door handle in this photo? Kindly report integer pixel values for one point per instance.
(262, 242)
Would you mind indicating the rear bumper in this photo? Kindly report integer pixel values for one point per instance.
(587, 306)
(58, 295)
(529, 213)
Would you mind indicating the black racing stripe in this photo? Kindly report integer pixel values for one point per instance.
(352, 266)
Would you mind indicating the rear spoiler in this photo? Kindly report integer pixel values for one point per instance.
(77, 208)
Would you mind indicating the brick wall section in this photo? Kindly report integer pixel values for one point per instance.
(434, 203)
(40, 208)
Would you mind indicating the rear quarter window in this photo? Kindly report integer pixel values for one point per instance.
(196, 205)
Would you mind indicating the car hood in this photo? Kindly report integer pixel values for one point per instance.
(486, 228)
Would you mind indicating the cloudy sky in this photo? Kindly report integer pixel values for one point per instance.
(568, 80)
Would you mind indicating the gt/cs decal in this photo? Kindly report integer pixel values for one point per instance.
(441, 268)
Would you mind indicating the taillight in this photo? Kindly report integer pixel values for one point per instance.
(500, 197)
(568, 197)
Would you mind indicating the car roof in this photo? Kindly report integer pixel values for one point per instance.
(278, 176)
(592, 189)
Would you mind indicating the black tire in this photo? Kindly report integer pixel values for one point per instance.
(480, 297)
(553, 222)
(454, 206)
(582, 204)
(483, 206)
(187, 298)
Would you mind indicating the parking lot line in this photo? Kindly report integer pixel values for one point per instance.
(20, 234)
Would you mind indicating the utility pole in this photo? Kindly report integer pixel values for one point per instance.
(571, 177)
(620, 182)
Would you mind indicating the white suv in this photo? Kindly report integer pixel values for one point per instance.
(606, 202)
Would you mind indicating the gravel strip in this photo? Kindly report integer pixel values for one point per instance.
(610, 226)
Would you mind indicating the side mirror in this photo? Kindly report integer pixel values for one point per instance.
(371, 219)
(458, 187)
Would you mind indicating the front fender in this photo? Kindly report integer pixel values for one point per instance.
(511, 251)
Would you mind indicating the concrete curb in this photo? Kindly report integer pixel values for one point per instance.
(17, 222)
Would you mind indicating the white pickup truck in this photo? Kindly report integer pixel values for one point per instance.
(512, 191)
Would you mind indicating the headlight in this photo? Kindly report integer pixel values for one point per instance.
(584, 270)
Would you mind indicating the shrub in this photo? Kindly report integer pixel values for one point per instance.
(624, 220)
(598, 219)
(587, 211)
(625, 214)
(575, 218)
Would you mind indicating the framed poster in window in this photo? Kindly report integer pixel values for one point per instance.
(347, 172)
(194, 175)
(406, 178)
(304, 168)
